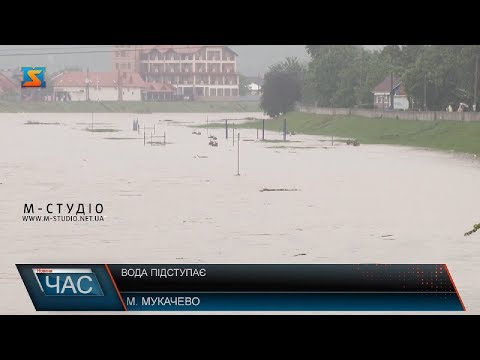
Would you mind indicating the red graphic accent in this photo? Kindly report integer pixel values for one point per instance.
(116, 288)
(453, 283)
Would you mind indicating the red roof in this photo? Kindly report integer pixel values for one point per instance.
(386, 86)
(6, 84)
(180, 49)
(161, 87)
(102, 79)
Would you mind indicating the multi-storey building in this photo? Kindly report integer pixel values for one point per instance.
(198, 71)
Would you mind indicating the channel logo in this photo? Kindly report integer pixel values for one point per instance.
(33, 76)
(68, 282)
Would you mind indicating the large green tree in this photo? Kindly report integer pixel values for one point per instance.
(344, 75)
(282, 87)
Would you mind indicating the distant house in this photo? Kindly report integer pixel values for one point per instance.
(7, 84)
(159, 92)
(386, 88)
(255, 84)
(253, 89)
(97, 86)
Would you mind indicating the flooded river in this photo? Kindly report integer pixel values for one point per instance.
(183, 203)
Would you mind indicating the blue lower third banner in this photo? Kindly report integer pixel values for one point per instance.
(246, 287)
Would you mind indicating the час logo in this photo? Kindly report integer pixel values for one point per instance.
(33, 76)
(68, 282)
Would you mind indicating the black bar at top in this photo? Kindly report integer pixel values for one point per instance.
(295, 277)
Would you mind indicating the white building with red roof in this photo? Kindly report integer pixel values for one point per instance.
(202, 72)
(97, 86)
(390, 86)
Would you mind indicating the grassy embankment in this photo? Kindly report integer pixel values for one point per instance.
(441, 135)
(128, 107)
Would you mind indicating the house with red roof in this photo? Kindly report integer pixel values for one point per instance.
(390, 86)
(8, 85)
(97, 86)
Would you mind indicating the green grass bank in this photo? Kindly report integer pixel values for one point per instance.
(442, 135)
(129, 107)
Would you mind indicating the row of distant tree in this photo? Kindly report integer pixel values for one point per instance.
(344, 76)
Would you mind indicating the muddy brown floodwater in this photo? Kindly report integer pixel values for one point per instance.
(182, 203)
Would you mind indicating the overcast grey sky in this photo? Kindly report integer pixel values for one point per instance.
(252, 59)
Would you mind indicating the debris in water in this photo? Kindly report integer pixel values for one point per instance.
(200, 157)
(196, 132)
(29, 122)
(475, 228)
(267, 189)
(301, 254)
(387, 235)
(353, 142)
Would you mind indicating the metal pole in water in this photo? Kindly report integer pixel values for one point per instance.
(332, 140)
(154, 128)
(144, 138)
(207, 125)
(263, 129)
(151, 139)
(226, 129)
(257, 132)
(284, 129)
(238, 155)
(92, 120)
(233, 134)
(164, 138)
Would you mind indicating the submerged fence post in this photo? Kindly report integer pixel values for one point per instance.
(226, 129)
(284, 129)
(263, 129)
(238, 155)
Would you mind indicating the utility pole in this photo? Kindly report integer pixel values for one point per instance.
(425, 93)
(476, 85)
(391, 91)
(87, 80)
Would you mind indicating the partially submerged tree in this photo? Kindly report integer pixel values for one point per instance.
(282, 87)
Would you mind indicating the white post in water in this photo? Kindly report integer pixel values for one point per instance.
(238, 155)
